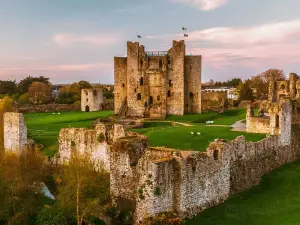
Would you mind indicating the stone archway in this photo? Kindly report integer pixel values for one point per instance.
(87, 108)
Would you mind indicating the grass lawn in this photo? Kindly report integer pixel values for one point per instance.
(226, 118)
(181, 138)
(44, 127)
(276, 201)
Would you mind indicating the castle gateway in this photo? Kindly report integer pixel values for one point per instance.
(156, 84)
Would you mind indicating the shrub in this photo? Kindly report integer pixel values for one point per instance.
(24, 99)
(100, 138)
(73, 144)
(157, 191)
(168, 218)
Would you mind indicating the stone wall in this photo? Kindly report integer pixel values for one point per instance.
(161, 179)
(91, 100)
(15, 132)
(94, 142)
(157, 85)
(213, 100)
(47, 108)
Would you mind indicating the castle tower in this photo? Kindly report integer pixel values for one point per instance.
(15, 132)
(293, 80)
(91, 100)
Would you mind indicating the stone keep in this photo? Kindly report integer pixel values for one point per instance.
(91, 100)
(156, 84)
(15, 132)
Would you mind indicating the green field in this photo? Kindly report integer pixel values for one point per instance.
(276, 201)
(226, 118)
(44, 127)
(180, 137)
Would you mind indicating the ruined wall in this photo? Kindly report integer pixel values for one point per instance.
(192, 79)
(124, 176)
(257, 124)
(120, 77)
(15, 132)
(91, 100)
(47, 108)
(213, 100)
(94, 142)
(175, 101)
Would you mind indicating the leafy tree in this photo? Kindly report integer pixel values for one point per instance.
(245, 91)
(6, 105)
(55, 215)
(24, 99)
(82, 189)
(39, 93)
(8, 87)
(65, 96)
(20, 187)
(24, 84)
(261, 81)
(84, 84)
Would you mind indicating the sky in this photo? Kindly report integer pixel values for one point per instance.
(72, 40)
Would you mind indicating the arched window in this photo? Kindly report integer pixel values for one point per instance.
(216, 154)
(169, 93)
(277, 120)
(158, 98)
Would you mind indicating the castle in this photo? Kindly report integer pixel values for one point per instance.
(156, 84)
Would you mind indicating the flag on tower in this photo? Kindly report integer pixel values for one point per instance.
(184, 28)
(139, 36)
(185, 35)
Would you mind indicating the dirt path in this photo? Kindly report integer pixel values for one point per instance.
(239, 126)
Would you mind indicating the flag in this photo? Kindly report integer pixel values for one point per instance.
(184, 28)
(185, 35)
(139, 36)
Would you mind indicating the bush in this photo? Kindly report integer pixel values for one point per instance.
(55, 215)
(168, 218)
(100, 138)
(24, 99)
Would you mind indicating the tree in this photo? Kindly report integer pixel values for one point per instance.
(82, 189)
(65, 96)
(20, 188)
(6, 105)
(39, 93)
(8, 87)
(55, 215)
(245, 91)
(24, 84)
(84, 84)
(23, 99)
(261, 81)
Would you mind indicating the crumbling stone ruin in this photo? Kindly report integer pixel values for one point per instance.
(149, 181)
(213, 100)
(15, 132)
(156, 84)
(163, 180)
(94, 142)
(284, 88)
(91, 99)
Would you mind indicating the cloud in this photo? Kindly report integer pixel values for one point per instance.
(204, 5)
(265, 34)
(67, 40)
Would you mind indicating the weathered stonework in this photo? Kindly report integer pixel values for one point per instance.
(15, 132)
(284, 88)
(91, 100)
(190, 182)
(94, 142)
(156, 84)
(213, 100)
(47, 108)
